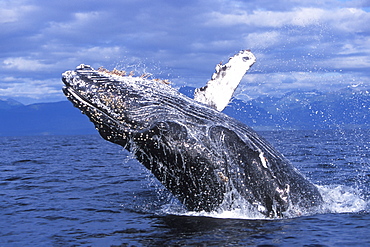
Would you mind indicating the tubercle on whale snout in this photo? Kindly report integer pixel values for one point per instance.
(196, 152)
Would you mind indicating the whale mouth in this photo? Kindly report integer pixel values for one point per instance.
(73, 88)
(82, 102)
(78, 99)
(77, 91)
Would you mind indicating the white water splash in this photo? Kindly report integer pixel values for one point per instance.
(236, 213)
(342, 199)
(337, 199)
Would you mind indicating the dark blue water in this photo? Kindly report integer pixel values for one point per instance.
(84, 191)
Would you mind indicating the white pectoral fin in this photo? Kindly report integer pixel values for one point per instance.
(219, 90)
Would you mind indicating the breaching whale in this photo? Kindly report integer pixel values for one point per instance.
(202, 156)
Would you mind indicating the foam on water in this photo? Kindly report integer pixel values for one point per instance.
(343, 199)
(236, 213)
(337, 199)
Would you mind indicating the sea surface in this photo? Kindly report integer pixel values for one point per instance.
(84, 191)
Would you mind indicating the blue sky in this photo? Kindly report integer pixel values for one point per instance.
(299, 44)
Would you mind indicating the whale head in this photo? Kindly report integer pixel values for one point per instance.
(120, 106)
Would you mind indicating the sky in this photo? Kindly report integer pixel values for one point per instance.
(299, 44)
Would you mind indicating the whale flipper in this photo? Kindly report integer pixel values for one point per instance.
(219, 90)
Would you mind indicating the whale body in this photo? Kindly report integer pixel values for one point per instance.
(202, 156)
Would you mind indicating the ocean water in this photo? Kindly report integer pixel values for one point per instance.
(84, 191)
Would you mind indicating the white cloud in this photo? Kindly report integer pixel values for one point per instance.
(263, 18)
(276, 84)
(24, 64)
(264, 40)
(8, 15)
(353, 62)
(12, 11)
(97, 53)
(32, 89)
(307, 16)
(186, 39)
(345, 19)
(348, 19)
(79, 23)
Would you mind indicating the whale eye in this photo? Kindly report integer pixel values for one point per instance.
(245, 59)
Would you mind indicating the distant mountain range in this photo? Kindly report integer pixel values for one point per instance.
(59, 118)
(347, 108)
(344, 109)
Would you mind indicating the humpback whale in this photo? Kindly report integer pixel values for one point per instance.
(205, 158)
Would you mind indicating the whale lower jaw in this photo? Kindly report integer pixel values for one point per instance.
(87, 107)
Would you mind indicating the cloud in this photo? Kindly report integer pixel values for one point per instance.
(13, 11)
(29, 90)
(262, 18)
(264, 39)
(254, 85)
(298, 43)
(24, 64)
